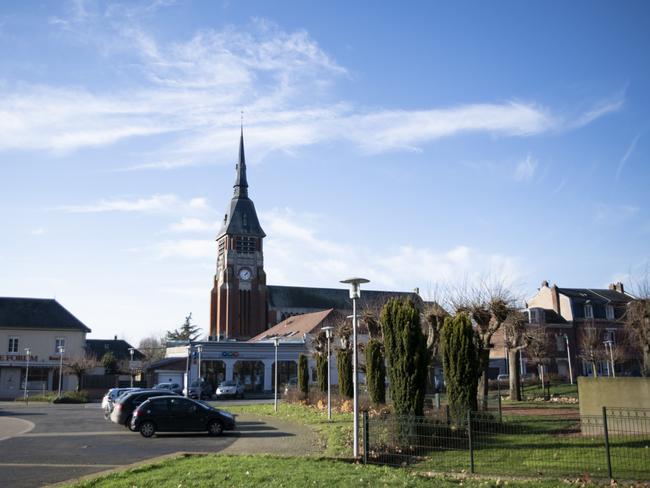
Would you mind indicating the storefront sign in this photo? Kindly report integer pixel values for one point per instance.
(230, 354)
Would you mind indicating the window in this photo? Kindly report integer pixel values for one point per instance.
(536, 316)
(609, 311)
(59, 342)
(560, 342)
(610, 336)
(13, 344)
(589, 311)
(245, 245)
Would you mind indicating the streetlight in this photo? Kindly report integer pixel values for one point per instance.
(355, 292)
(611, 355)
(328, 333)
(568, 357)
(28, 354)
(199, 348)
(61, 351)
(131, 351)
(187, 370)
(276, 343)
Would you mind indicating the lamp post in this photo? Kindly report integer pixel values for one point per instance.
(27, 354)
(328, 333)
(131, 351)
(609, 345)
(199, 348)
(61, 351)
(355, 292)
(187, 370)
(568, 357)
(276, 343)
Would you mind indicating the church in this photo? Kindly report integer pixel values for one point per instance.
(242, 305)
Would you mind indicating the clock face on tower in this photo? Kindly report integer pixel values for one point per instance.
(245, 274)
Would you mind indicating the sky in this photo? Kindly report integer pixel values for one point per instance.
(417, 144)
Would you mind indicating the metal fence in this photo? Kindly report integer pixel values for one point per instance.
(615, 444)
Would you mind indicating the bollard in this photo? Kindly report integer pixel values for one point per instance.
(471, 444)
(366, 437)
(606, 433)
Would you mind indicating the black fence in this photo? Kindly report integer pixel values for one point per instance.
(615, 444)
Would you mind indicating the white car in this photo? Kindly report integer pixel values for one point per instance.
(109, 398)
(230, 389)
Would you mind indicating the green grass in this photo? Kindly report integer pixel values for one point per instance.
(268, 471)
(335, 437)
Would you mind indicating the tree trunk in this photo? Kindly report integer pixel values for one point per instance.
(513, 361)
(645, 367)
(484, 386)
(594, 371)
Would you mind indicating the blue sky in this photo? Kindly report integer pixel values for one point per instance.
(417, 145)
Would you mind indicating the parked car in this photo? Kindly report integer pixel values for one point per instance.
(230, 389)
(178, 414)
(126, 404)
(173, 387)
(111, 396)
(505, 378)
(199, 390)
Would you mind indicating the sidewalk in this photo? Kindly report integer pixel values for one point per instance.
(13, 426)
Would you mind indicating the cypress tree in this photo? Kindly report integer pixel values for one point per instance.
(461, 362)
(344, 366)
(303, 375)
(375, 372)
(406, 352)
(321, 372)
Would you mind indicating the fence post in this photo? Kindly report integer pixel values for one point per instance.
(366, 437)
(606, 432)
(499, 406)
(447, 413)
(471, 444)
(437, 399)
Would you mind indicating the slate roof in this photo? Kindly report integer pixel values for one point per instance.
(37, 313)
(599, 299)
(241, 217)
(302, 297)
(295, 327)
(118, 347)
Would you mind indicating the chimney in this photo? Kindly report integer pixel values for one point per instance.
(416, 291)
(618, 286)
(544, 284)
(115, 338)
(555, 296)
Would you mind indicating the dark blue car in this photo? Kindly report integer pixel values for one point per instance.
(178, 414)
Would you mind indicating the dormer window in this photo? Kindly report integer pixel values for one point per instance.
(536, 316)
(609, 312)
(589, 311)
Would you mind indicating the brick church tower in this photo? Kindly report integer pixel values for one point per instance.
(238, 301)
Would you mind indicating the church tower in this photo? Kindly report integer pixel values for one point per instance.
(238, 301)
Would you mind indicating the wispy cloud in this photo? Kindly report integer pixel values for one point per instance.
(525, 169)
(192, 92)
(628, 153)
(154, 204)
(193, 224)
(614, 214)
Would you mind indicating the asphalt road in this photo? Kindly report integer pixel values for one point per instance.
(68, 441)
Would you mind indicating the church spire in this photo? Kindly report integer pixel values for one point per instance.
(241, 185)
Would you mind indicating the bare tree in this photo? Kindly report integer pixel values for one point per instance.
(489, 305)
(637, 320)
(79, 365)
(515, 339)
(538, 347)
(153, 349)
(591, 347)
(433, 319)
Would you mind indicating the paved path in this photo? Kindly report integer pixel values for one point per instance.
(51, 443)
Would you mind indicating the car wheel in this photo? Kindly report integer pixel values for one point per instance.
(130, 425)
(215, 428)
(147, 429)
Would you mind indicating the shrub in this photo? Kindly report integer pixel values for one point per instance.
(461, 364)
(375, 372)
(406, 352)
(72, 397)
(344, 366)
(303, 375)
(321, 372)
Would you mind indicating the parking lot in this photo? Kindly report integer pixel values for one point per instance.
(68, 441)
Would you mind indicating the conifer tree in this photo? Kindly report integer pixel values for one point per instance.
(461, 359)
(344, 366)
(303, 375)
(375, 372)
(321, 371)
(406, 352)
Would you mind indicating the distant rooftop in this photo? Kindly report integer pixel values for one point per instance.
(37, 313)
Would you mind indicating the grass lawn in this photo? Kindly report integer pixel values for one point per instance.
(269, 471)
(335, 436)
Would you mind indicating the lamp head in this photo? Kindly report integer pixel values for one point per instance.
(355, 286)
(329, 330)
(276, 341)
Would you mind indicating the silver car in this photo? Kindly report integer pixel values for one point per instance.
(232, 389)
